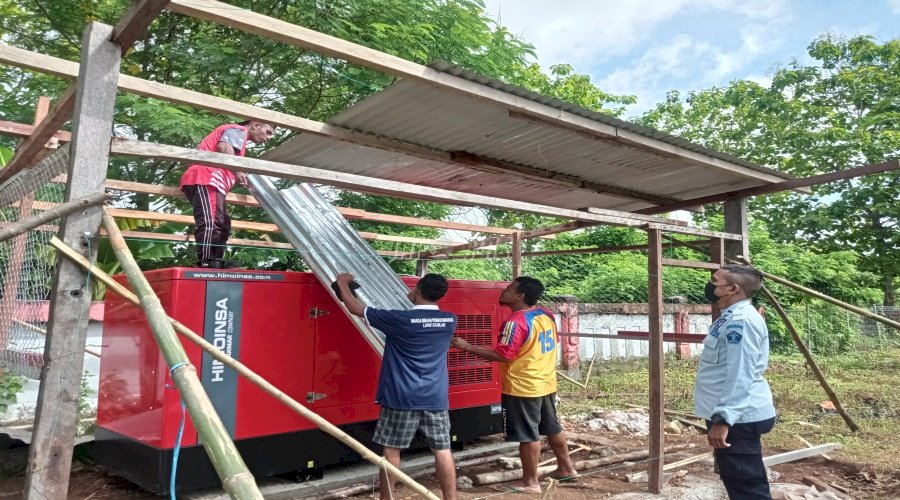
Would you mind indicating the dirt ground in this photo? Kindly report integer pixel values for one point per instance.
(699, 482)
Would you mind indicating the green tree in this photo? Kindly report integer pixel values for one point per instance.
(839, 112)
(209, 58)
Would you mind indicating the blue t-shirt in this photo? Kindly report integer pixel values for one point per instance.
(414, 368)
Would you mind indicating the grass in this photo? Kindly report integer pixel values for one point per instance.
(866, 381)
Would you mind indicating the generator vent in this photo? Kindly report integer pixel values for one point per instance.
(465, 368)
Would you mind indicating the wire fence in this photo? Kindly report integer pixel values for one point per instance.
(26, 264)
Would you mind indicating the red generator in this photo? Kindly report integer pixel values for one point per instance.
(287, 328)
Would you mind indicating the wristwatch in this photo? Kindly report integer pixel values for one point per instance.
(718, 419)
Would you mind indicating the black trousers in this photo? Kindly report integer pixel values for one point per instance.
(741, 466)
(212, 225)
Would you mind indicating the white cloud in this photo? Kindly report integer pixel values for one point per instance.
(894, 5)
(580, 33)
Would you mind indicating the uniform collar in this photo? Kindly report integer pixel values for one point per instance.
(734, 306)
(426, 306)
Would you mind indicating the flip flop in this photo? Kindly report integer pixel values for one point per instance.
(504, 488)
(560, 478)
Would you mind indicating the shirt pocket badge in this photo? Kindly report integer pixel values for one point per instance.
(710, 353)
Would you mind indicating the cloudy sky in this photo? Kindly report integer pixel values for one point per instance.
(648, 47)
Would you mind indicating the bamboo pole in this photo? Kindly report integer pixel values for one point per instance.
(46, 216)
(800, 288)
(821, 296)
(236, 478)
(43, 332)
(809, 358)
(240, 368)
(570, 379)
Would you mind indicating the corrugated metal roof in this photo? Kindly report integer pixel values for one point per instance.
(598, 117)
(588, 171)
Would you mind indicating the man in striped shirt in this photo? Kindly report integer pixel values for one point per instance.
(206, 187)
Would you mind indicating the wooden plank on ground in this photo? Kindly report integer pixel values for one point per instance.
(793, 456)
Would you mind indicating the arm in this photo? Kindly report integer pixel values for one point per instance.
(481, 352)
(351, 302)
(230, 144)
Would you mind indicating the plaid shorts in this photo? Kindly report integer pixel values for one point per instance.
(396, 428)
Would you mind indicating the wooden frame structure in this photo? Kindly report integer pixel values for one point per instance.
(96, 81)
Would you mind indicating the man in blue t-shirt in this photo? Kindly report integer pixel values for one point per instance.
(413, 386)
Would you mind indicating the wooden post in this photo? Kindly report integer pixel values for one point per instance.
(421, 267)
(716, 256)
(516, 254)
(810, 360)
(657, 361)
(17, 252)
(50, 454)
(736, 222)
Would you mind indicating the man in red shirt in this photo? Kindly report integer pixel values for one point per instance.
(206, 187)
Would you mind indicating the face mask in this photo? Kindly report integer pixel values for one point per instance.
(710, 293)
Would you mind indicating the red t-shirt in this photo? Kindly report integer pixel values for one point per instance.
(220, 178)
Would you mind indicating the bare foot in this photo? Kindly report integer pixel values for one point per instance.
(561, 474)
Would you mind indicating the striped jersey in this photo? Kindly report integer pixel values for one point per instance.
(529, 340)
(220, 178)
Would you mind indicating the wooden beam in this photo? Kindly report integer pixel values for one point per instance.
(491, 165)
(134, 23)
(571, 251)
(24, 131)
(814, 180)
(58, 210)
(251, 22)
(690, 264)
(262, 227)
(667, 337)
(716, 256)
(496, 240)
(188, 238)
(516, 255)
(655, 146)
(657, 360)
(348, 213)
(50, 453)
(736, 221)
(33, 147)
(644, 336)
(376, 186)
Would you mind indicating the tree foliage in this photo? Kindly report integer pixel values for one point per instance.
(841, 111)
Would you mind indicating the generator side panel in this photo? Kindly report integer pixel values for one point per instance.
(277, 341)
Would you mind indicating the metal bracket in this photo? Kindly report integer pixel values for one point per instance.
(312, 397)
(315, 312)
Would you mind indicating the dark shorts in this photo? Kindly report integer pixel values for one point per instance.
(396, 428)
(527, 419)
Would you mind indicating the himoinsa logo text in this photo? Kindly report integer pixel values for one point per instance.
(222, 337)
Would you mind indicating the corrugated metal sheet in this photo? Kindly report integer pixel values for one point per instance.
(426, 115)
(599, 117)
(329, 246)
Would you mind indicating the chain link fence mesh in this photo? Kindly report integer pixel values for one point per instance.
(26, 264)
